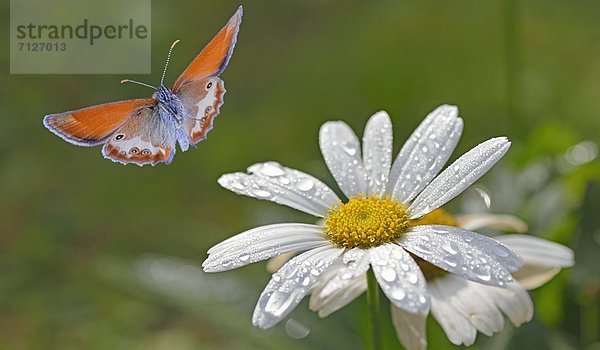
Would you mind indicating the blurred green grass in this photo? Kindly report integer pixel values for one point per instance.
(74, 226)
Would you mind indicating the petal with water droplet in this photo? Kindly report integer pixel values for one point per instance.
(290, 284)
(459, 175)
(405, 289)
(425, 153)
(497, 250)
(377, 152)
(262, 243)
(274, 182)
(355, 263)
(341, 150)
(455, 255)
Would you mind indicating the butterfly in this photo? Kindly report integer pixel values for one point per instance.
(145, 131)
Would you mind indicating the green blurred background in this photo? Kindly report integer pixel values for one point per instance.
(96, 255)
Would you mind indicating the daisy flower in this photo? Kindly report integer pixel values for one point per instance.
(372, 229)
(460, 306)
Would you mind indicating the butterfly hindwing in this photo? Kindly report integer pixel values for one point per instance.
(202, 99)
(144, 139)
(91, 126)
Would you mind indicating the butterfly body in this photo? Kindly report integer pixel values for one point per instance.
(145, 131)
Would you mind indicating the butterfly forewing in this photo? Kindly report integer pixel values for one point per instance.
(213, 59)
(91, 126)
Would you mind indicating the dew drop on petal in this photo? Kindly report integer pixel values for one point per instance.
(261, 193)
(483, 272)
(501, 251)
(305, 185)
(244, 257)
(412, 278)
(269, 169)
(238, 186)
(450, 248)
(398, 294)
(388, 274)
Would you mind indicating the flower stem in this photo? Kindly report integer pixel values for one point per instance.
(374, 314)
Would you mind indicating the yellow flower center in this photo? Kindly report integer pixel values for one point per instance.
(366, 222)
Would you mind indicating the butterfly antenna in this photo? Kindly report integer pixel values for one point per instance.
(167, 63)
(137, 82)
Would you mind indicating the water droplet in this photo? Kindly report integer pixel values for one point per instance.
(483, 272)
(284, 180)
(398, 294)
(346, 276)
(451, 260)
(450, 248)
(412, 277)
(404, 266)
(351, 150)
(238, 186)
(261, 193)
(388, 274)
(272, 169)
(305, 185)
(306, 281)
(422, 299)
(422, 249)
(244, 257)
(501, 251)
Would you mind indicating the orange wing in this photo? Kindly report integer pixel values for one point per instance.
(213, 59)
(91, 126)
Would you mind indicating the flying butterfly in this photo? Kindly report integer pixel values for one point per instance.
(145, 131)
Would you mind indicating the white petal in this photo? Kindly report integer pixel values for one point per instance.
(341, 151)
(410, 328)
(377, 152)
(400, 277)
(262, 243)
(425, 153)
(539, 251)
(542, 259)
(457, 327)
(512, 300)
(274, 182)
(455, 256)
(355, 263)
(290, 284)
(474, 222)
(339, 299)
(470, 301)
(490, 246)
(459, 175)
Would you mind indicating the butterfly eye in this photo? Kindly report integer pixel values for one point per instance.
(134, 150)
(119, 137)
(146, 152)
(209, 85)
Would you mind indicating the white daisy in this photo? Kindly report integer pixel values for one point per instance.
(372, 229)
(460, 306)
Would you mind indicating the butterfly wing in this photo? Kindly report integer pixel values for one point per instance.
(145, 138)
(199, 88)
(92, 126)
(202, 99)
(213, 59)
